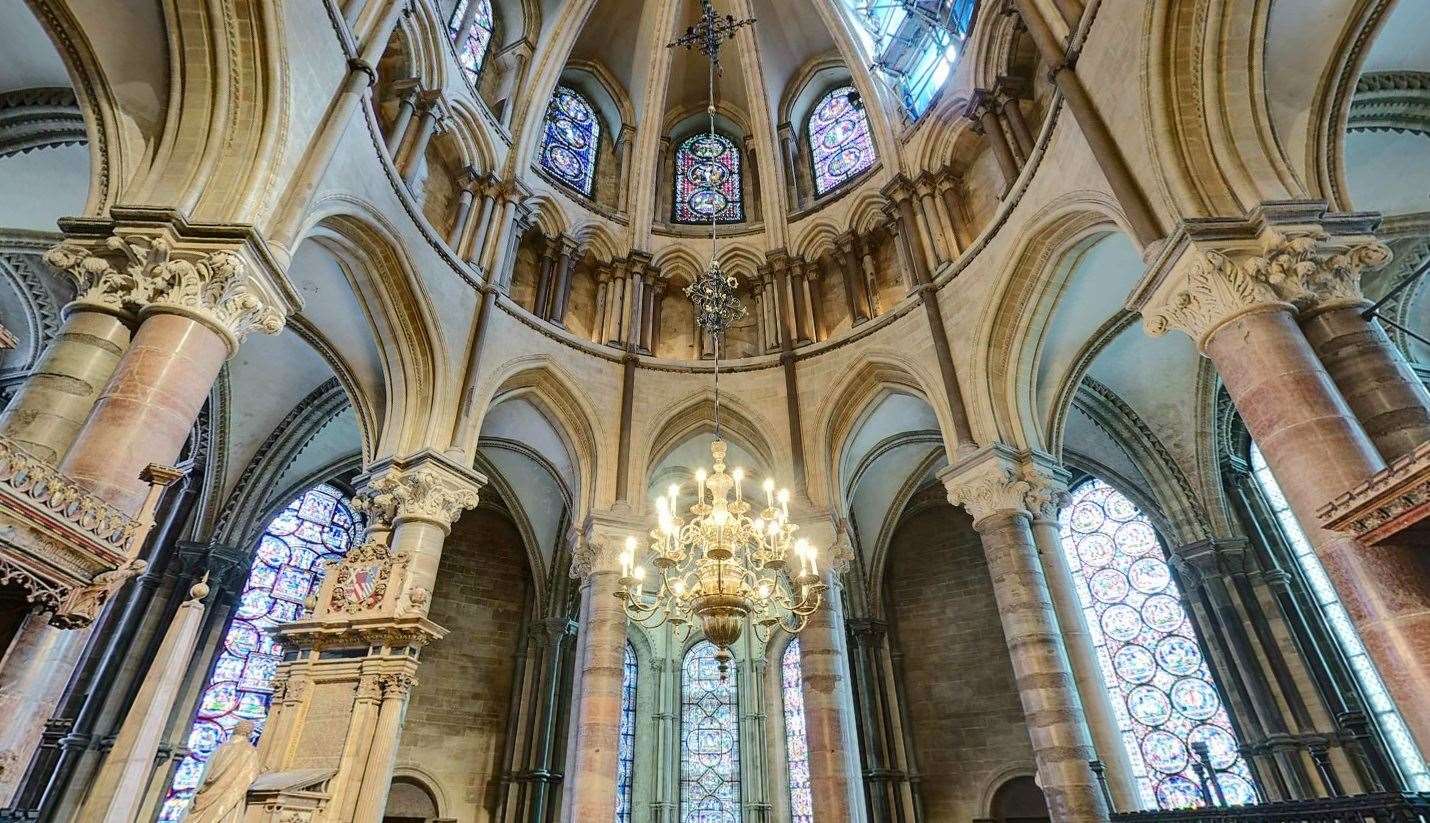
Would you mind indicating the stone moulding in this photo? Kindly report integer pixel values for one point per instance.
(1393, 502)
(69, 550)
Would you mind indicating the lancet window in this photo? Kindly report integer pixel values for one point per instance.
(709, 740)
(471, 32)
(1163, 696)
(288, 564)
(839, 142)
(570, 138)
(626, 746)
(801, 797)
(913, 45)
(707, 180)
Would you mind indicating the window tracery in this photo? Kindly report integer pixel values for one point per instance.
(471, 32)
(626, 746)
(1164, 697)
(707, 180)
(569, 139)
(801, 797)
(709, 740)
(839, 141)
(1392, 725)
(288, 564)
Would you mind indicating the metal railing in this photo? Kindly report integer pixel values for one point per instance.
(1385, 807)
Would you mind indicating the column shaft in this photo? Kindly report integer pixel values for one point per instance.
(417, 154)
(49, 410)
(598, 705)
(1045, 683)
(406, 108)
(823, 671)
(1380, 387)
(382, 755)
(459, 225)
(1316, 450)
(998, 142)
(148, 407)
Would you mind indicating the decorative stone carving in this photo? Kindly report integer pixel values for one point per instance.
(80, 606)
(425, 487)
(595, 552)
(131, 273)
(362, 578)
(987, 482)
(397, 686)
(1394, 502)
(1301, 268)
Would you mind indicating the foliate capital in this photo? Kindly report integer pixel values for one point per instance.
(1287, 255)
(398, 685)
(425, 486)
(999, 479)
(144, 261)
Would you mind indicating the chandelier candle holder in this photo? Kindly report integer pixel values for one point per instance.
(725, 564)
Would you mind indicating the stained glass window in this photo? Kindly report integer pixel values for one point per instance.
(913, 44)
(839, 141)
(1392, 725)
(709, 740)
(626, 749)
(801, 799)
(707, 180)
(287, 565)
(471, 32)
(1164, 698)
(570, 139)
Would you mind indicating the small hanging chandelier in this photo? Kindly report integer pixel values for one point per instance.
(726, 563)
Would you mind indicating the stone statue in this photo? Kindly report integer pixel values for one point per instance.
(233, 768)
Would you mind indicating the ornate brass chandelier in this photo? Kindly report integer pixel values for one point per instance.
(725, 563)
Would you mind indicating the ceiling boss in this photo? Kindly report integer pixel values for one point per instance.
(731, 559)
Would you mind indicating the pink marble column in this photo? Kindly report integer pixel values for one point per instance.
(146, 411)
(598, 705)
(1317, 449)
(382, 755)
(824, 675)
(1380, 387)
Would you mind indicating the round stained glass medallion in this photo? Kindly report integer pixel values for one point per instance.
(1136, 537)
(568, 132)
(709, 174)
(1221, 746)
(1149, 575)
(708, 202)
(272, 551)
(832, 109)
(838, 132)
(572, 106)
(1178, 792)
(1108, 585)
(1164, 752)
(206, 737)
(1162, 612)
(1119, 507)
(1096, 549)
(1134, 663)
(1195, 698)
(564, 162)
(1237, 791)
(1121, 623)
(242, 637)
(707, 149)
(846, 161)
(1149, 706)
(1086, 516)
(1178, 655)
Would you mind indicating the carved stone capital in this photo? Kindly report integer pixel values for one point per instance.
(987, 482)
(425, 486)
(398, 685)
(596, 547)
(1048, 486)
(147, 261)
(1292, 255)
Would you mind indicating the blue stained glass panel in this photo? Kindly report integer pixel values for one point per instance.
(709, 740)
(839, 141)
(707, 181)
(289, 561)
(570, 137)
(626, 745)
(1164, 698)
(801, 797)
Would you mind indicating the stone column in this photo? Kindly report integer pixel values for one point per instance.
(934, 219)
(1232, 290)
(197, 299)
(597, 710)
(1380, 387)
(986, 122)
(476, 247)
(515, 61)
(47, 413)
(427, 123)
(993, 484)
(615, 305)
(1045, 502)
(631, 310)
(871, 276)
(853, 277)
(1013, 115)
(797, 301)
(406, 108)
(824, 670)
(464, 216)
(561, 294)
(920, 254)
(656, 311)
(598, 320)
(647, 311)
(866, 636)
(382, 756)
(948, 190)
(545, 274)
(420, 496)
(789, 151)
(812, 312)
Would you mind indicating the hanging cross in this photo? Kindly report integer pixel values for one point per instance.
(710, 32)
